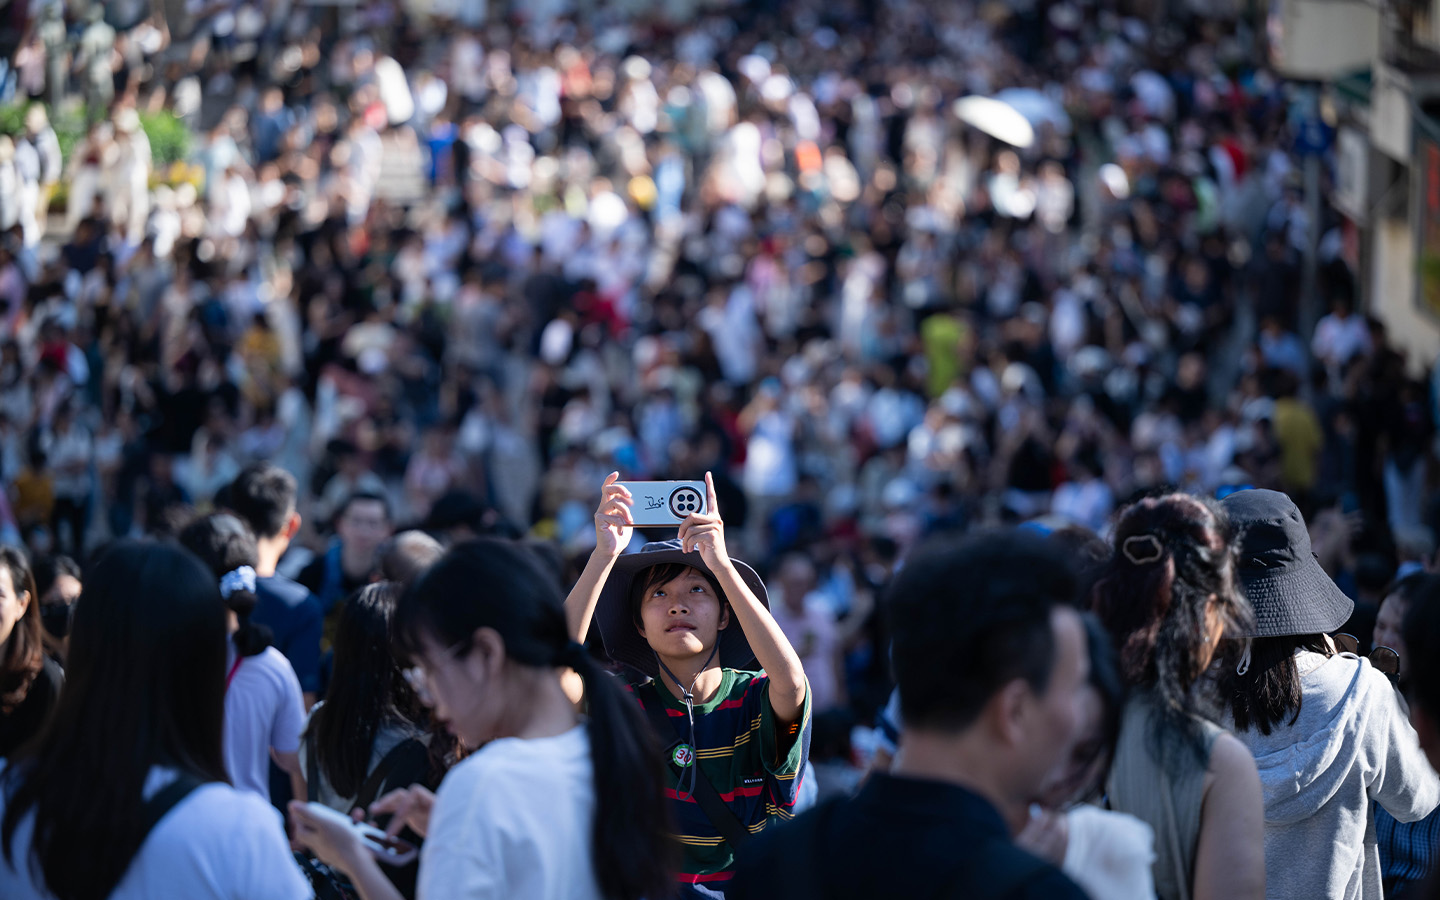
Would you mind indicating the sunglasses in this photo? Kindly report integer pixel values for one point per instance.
(1384, 659)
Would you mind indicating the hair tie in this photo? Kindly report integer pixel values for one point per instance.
(573, 655)
(241, 578)
(1142, 549)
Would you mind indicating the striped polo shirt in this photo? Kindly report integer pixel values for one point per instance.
(738, 749)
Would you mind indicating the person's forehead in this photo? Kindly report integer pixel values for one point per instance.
(365, 509)
(689, 576)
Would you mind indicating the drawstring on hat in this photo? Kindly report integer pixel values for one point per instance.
(1244, 665)
(687, 696)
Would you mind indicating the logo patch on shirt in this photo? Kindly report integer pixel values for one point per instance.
(684, 756)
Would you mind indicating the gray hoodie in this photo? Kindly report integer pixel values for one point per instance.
(1351, 744)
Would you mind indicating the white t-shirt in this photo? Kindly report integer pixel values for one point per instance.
(217, 843)
(515, 821)
(263, 709)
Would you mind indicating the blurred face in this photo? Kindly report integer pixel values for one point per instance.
(682, 618)
(1078, 773)
(364, 525)
(63, 593)
(1050, 723)
(458, 684)
(12, 604)
(1387, 629)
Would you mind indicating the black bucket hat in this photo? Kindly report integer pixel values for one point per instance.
(617, 627)
(1287, 587)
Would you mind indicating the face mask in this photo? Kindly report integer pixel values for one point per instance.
(56, 618)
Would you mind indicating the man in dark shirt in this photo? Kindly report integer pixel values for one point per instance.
(362, 524)
(991, 678)
(264, 496)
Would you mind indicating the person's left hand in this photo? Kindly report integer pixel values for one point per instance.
(1046, 835)
(331, 843)
(705, 534)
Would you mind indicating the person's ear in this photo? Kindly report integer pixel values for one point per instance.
(488, 648)
(1008, 711)
(23, 598)
(292, 525)
(724, 617)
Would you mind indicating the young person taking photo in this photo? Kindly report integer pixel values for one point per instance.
(553, 806)
(692, 622)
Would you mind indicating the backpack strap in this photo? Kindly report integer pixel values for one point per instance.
(312, 770)
(410, 747)
(720, 815)
(166, 799)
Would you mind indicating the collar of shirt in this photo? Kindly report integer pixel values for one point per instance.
(933, 802)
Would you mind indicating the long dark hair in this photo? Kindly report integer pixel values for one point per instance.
(367, 690)
(145, 687)
(489, 583)
(1270, 689)
(24, 650)
(225, 543)
(1172, 554)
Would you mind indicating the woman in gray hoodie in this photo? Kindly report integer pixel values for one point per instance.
(1327, 730)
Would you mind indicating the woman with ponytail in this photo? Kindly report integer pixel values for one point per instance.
(1170, 599)
(553, 805)
(264, 709)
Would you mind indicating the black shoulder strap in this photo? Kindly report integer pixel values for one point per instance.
(312, 770)
(371, 788)
(168, 797)
(731, 828)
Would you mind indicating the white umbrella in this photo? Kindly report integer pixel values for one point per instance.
(997, 119)
(1037, 107)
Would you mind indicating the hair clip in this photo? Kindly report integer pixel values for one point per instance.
(1142, 549)
(241, 578)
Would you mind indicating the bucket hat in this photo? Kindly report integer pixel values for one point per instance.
(617, 626)
(1287, 587)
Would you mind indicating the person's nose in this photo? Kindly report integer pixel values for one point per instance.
(679, 608)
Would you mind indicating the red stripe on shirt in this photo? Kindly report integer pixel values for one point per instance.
(753, 791)
(697, 879)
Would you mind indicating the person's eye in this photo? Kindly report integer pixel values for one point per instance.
(698, 589)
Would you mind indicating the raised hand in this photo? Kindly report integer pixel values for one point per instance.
(614, 523)
(705, 534)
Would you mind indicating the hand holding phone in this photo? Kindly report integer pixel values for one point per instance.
(392, 851)
(659, 504)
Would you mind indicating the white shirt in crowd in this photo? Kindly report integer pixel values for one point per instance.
(219, 843)
(515, 821)
(263, 709)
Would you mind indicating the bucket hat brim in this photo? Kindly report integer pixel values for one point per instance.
(624, 643)
(1302, 600)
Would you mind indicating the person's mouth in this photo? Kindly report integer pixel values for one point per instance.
(680, 627)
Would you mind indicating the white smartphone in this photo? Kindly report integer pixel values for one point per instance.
(391, 851)
(662, 503)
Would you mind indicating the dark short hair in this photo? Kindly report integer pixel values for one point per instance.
(263, 494)
(360, 497)
(969, 616)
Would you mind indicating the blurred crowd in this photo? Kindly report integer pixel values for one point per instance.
(470, 263)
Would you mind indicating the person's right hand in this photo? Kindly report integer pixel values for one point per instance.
(614, 524)
(408, 806)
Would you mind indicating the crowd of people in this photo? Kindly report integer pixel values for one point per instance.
(423, 274)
